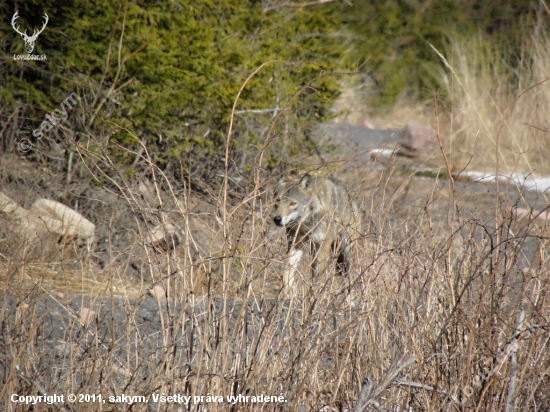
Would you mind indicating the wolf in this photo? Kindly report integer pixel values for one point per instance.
(318, 214)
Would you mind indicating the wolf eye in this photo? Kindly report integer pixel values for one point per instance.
(292, 204)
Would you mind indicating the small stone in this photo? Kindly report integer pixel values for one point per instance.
(158, 292)
(163, 238)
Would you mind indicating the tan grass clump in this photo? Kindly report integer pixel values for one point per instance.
(498, 121)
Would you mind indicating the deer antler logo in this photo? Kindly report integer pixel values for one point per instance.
(29, 40)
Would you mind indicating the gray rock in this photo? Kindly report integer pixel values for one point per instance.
(345, 142)
(342, 141)
(417, 139)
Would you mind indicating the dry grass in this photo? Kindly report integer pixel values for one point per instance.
(499, 115)
(493, 117)
(449, 294)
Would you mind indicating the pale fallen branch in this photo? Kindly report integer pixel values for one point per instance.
(47, 217)
(307, 4)
(277, 109)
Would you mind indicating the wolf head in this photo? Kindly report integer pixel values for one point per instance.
(293, 202)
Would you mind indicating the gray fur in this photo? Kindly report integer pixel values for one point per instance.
(318, 214)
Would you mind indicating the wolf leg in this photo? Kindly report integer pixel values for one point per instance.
(321, 258)
(344, 255)
(294, 258)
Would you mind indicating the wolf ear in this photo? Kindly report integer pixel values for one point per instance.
(280, 185)
(306, 180)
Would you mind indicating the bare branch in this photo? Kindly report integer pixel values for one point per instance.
(308, 4)
(369, 393)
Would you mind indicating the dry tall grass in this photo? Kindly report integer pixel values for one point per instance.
(464, 303)
(499, 115)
